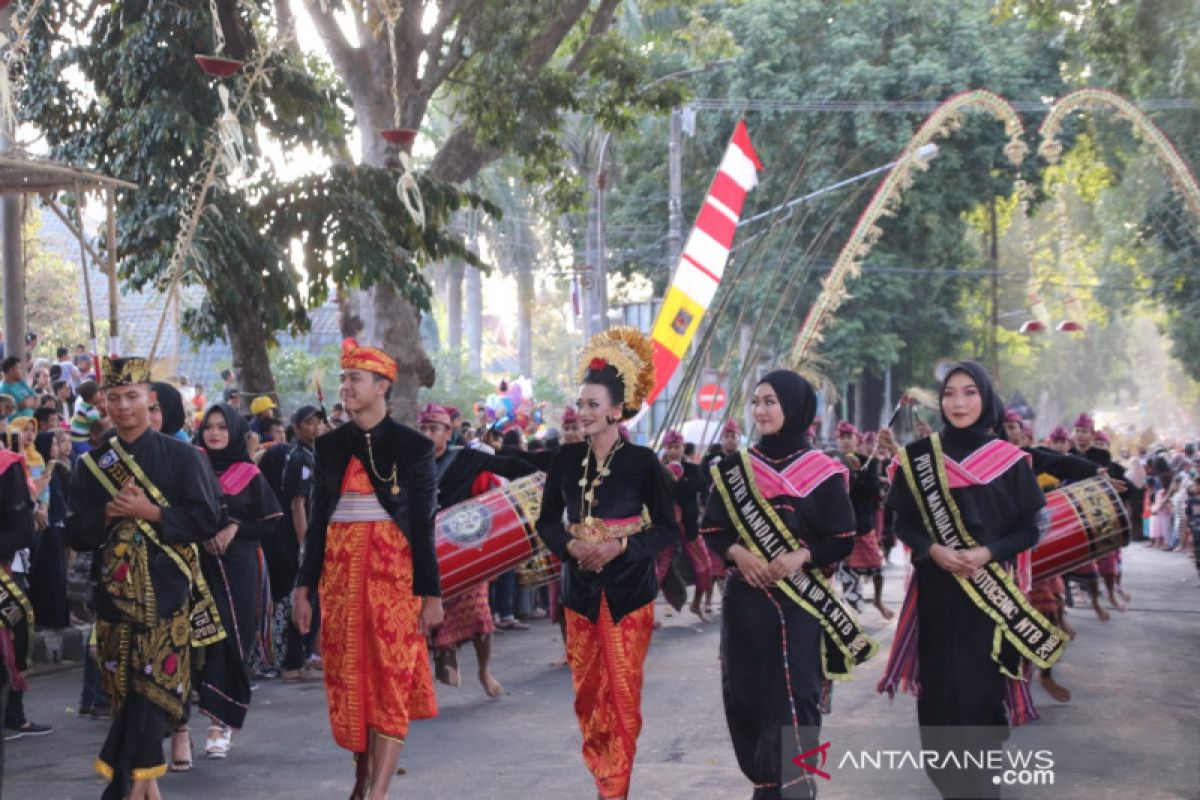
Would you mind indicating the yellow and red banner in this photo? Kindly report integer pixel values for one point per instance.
(702, 262)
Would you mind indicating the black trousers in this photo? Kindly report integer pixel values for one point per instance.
(961, 706)
(754, 685)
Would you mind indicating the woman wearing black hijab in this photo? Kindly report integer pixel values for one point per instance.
(766, 637)
(48, 564)
(230, 564)
(943, 648)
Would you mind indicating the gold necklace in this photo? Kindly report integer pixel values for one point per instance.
(393, 478)
(590, 486)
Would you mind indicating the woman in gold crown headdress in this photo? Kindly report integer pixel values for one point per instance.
(606, 513)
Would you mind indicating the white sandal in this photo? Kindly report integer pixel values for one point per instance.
(219, 741)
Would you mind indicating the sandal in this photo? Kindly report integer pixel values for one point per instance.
(217, 745)
(180, 764)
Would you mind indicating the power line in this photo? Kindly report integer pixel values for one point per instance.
(898, 106)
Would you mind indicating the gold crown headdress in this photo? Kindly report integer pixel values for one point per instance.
(125, 371)
(631, 354)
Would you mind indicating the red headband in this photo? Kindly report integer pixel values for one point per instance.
(371, 359)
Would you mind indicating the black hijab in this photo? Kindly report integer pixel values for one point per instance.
(42, 443)
(237, 449)
(171, 404)
(960, 442)
(798, 402)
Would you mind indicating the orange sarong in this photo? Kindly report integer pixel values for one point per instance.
(377, 672)
(606, 660)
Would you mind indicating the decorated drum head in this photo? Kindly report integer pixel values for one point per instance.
(466, 524)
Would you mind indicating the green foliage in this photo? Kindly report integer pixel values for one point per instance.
(881, 50)
(145, 112)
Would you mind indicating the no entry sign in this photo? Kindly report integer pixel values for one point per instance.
(712, 397)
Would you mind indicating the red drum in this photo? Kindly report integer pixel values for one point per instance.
(489, 534)
(1087, 520)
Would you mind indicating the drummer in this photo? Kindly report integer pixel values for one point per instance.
(1087, 444)
(463, 473)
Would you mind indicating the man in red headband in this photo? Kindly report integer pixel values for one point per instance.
(462, 474)
(1109, 566)
(370, 550)
(687, 481)
(572, 431)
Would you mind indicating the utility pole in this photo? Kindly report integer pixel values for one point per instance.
(994, 261)
(15, 325)
(675, 199)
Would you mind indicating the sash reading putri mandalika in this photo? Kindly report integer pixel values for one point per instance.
(760, 529)
(991, 589)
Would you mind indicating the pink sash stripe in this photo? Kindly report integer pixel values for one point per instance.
(237, 477)
(979, 468)
(800, 477)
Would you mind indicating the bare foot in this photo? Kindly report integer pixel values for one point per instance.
(1053, 688)
(1112, 601)
(490, 684)
(559, 662)
(449, 676)
(1126, 596)
(1100, 612)
(1067, 629)
(886, 612)
(708, 609)
(698, 612)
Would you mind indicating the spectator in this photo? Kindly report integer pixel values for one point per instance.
(233, 397)
(31, 343)
(338, 416)
(47, 418)
(67, 369)
(14, 386)
(262, 410)
(83, 363)
(8, 407)
(86, 415)
(199, 401)
(64, 395)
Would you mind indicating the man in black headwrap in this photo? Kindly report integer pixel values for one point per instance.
(142, 500)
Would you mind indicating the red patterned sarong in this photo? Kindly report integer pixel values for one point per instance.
(606, 662)
(377, 674)
(466, 616)
(866, 557)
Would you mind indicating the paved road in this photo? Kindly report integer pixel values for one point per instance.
(1133, 725)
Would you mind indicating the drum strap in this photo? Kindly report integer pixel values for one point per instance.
(844, 643)
(992, 590)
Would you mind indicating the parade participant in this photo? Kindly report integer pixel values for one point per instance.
(1106, 567)
(866, 559)
(966, 503)
(289, 470)
(462, 474)
(730, 443)
(1110, 564)
(230, 563)
(686, 480)
(143, 500)
(16, 612)
(369, 553)
(1059, 440)
(572, 431)
(780, 498)
(606, 487)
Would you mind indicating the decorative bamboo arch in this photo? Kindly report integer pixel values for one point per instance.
(945, 119)
(1164, 150)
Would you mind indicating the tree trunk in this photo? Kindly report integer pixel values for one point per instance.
(474, 321)
(525, 301)
(454, 314)
(251, 361)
